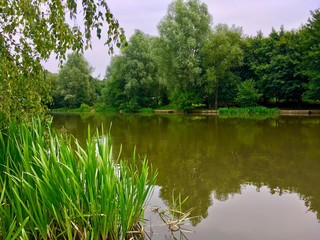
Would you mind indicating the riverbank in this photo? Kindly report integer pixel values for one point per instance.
(281, 112)
(299, 112)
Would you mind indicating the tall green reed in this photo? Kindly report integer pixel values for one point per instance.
(51, 190)
(249, 112)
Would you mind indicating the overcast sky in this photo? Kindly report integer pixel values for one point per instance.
(251, 15)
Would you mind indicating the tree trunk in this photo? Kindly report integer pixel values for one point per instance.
(216, 97)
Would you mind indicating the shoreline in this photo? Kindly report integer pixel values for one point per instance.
(216, 112)
(291, 112)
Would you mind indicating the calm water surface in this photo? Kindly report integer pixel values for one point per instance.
(247, 179)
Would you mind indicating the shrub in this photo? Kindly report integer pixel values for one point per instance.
(85, 108)
(247, 95)
(186, 100)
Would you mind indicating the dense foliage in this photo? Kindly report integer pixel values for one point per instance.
(30, 31)
(222, 54)
(74, 84)
(183, 33)
(50, 189)
(133, 80)
(190, 64)
(193, 64)
(310, 34)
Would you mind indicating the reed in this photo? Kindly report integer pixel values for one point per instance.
(49, 190)
(249, 112)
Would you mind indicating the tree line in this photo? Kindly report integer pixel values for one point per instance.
(33, 30)
(194, 64)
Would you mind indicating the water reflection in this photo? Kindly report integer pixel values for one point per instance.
(211, 159)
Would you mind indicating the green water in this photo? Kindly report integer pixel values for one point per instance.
(246, 179)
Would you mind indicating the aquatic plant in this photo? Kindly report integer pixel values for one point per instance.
(249, 112)
(50, 190)
(175, 218)
(146, 111)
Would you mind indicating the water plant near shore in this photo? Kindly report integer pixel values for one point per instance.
(249, 112)
(50, 190)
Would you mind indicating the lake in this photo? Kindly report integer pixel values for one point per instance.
(245, 179)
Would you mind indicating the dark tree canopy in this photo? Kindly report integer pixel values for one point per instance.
(311, 60)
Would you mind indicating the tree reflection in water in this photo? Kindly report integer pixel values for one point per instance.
(204, 156)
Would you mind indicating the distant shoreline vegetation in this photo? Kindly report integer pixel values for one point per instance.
(209, 67)
(234, 112)
(257, 112)
(249, 112)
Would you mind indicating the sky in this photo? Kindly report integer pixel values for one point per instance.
(251, 15)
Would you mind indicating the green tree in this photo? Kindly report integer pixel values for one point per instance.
(311, 58)
(228, 88)
(74, 84)
(112, 93)
(132, 78)
(282, 78)
(247, 95)
(183, 33)
(275, 64)
(141, 72)
(254, 56)
(32, 30)
(222, 54)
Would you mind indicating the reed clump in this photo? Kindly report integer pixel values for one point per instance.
(50, 190)
(249, 112)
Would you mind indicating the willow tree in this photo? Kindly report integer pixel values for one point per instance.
(132, 78)
(31, 31)
(183, 32)
(74, 84)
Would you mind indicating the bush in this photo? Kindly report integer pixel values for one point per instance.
(132, 106)
(186, 100)
(247, 95)
(85, 108)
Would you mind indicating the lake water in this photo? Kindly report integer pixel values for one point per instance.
(245, 179)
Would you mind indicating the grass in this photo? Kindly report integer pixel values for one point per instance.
(84, 108)
(146, 110)
(174, 218)
(249, 112)
(48, 190)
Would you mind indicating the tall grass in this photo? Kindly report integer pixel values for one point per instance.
(249, 112)
(48, 190)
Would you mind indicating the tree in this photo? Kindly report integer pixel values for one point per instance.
(222, 53)
(247, 95)
(274, 63)
(74, 84)
(141, 72)
(311, 60)
(132, 78)
(30, 31)
(183, 33)
(112, 93)
(283, 74)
